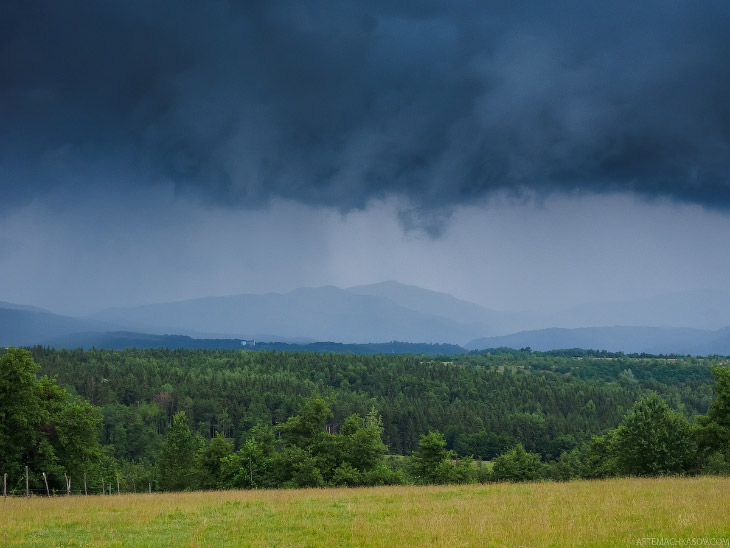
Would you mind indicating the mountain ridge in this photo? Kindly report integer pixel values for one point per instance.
(628, 339)
(322, 313)
(388, 311)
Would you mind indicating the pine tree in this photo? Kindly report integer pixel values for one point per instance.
(177, 457)
(431, 462)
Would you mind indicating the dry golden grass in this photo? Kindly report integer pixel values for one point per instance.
(619, 512)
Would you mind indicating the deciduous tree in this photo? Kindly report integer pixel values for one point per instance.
(654, 440)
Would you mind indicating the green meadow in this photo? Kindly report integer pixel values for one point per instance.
(617, 512)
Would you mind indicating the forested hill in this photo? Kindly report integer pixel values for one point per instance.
(394, 347)
(482, 403)
(120, 340)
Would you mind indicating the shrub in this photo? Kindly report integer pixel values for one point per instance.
(517, 465)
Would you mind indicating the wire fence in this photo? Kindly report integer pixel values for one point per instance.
(22, 488)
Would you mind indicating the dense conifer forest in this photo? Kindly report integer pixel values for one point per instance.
(185, 419)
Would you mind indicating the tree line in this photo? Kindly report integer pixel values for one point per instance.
(482, 404)
(195, 420)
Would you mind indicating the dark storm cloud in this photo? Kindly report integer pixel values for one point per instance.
(335, 103)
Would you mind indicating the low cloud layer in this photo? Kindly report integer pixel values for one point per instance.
(507, 257)
(337, 103)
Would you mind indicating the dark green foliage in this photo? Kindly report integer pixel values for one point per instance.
(209, 461)
(428, 462)
(654, 440)
(433, 463)
(565, 468)
(306, 419)
(717, 463)
(482, 403)
(306, 430)
(21, 409)
(309, 455)
(177, 457)
(394, 347)
(137, 476)
(77, 444)
(714, 434)
(482, 445)
(517, 465)
(361, 452)
(309, 451)
(651, 440)
(719, 411)
(43, 426)
(252, 466)
(599, 458)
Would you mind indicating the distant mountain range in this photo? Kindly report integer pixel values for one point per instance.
(25, 326)
(379, 313)
(688, 323)
(703, 309)
(649, 340)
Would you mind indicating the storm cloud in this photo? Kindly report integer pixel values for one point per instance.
(337, 103)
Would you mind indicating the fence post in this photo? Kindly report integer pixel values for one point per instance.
(102, 487)
(117, 484)
(27, 490)
(5, 485)
(149, 485)
(85, 491)
(48, 491)
(68, 484)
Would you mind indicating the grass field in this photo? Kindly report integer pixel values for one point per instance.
(623, 512)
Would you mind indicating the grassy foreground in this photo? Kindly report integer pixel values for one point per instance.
(622, 512)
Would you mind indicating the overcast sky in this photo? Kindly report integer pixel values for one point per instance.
(520, 156)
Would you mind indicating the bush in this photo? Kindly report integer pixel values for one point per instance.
(517, 465)
(717, 464)
(566, 468)
(383, 474)
(599, 458)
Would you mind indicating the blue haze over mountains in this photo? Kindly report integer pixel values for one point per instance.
(689, 323)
